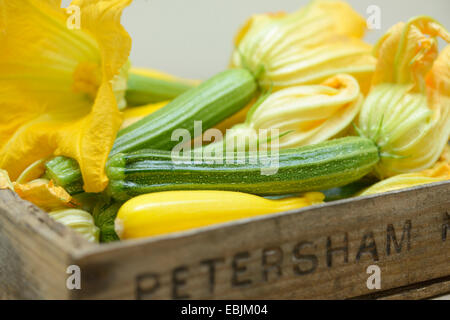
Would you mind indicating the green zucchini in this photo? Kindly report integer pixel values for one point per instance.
(312, 168)
(143, 89)
(65, 172)
(211, 102)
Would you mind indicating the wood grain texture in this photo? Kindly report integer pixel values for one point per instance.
(317, 253)
(314, 253)
(34, 251)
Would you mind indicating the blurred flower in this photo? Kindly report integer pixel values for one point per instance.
(307, 114)
(5, 182)
(80, 221)
(305, 47)
(407, 112)
(60, 89)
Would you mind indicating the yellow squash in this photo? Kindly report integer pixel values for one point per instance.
(165, 212)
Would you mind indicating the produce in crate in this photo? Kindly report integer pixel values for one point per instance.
(310, 70)
(330, 15)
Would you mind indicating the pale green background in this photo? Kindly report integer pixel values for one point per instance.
(193, 38)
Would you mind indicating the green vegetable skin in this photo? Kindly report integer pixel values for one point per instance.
(66, 173)
(143, 89)
(312, 168)
(211, 102)
(104, 215)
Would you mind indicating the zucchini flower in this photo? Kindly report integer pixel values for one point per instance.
(407, 112)
(61, 89)
(80, 221)
(303, 115)
(440, 172)
(305, 47)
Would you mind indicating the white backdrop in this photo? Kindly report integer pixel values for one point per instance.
(193, 38)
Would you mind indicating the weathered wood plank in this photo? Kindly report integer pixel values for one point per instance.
(321, 252)
(423, 290)
(317, 253)
(34, 251)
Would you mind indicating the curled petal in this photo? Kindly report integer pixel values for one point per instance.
(440, 172)
(302, 115)
(406, 53)
(44, 194)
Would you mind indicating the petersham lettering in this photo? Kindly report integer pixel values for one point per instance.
(303, 258)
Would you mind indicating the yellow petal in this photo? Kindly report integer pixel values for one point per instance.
(308, 114)
(312, 114)
(407, 112)
(44, 194)
(407, 52)
(64, 86)
(440, 172)
(33, 172)
(445, 156)
(5, 182)
(305, 47)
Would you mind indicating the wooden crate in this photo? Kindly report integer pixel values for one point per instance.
(321, 252)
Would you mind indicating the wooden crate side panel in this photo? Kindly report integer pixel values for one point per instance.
(323, 252)
(35, 251)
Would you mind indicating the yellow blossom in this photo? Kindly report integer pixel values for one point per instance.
(60, 89)
(305, 47)
(407, 112)
(80, 221)
(44, 194)
(440, 172)
(303, 115)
